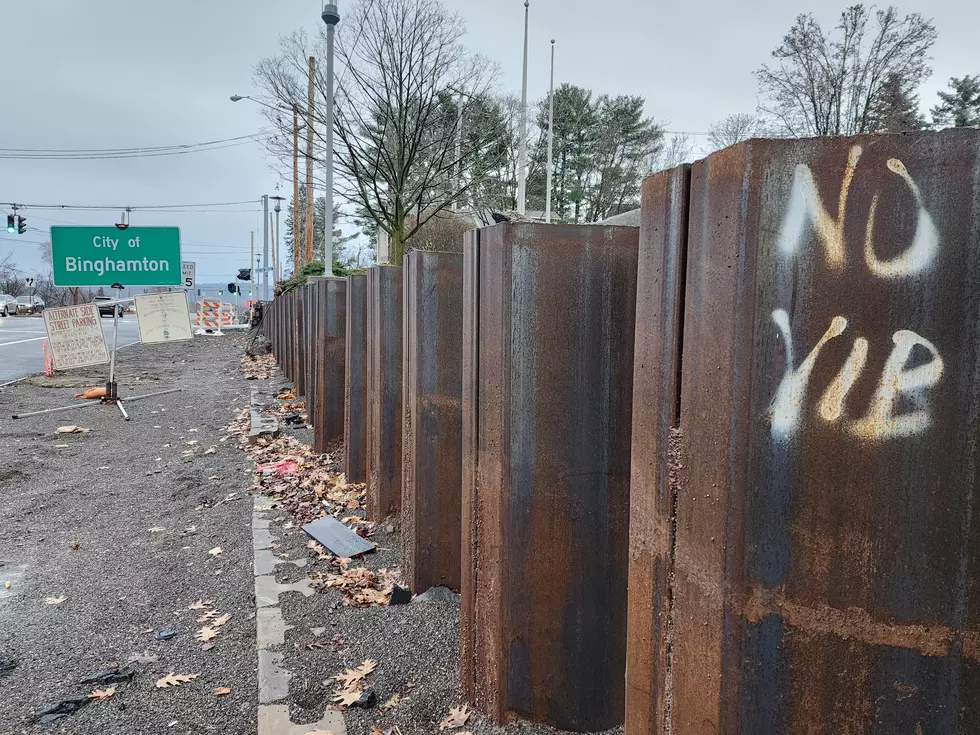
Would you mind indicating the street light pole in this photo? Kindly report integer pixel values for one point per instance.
(331, 17)
(265, 247)
(278, 200)
(551, 135)
(522, 150)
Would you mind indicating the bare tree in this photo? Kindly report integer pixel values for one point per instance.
(734, 129)
(404, 81)
(12, 281)
(678, 149)
(823, 85)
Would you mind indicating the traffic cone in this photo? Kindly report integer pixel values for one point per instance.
(48, 362)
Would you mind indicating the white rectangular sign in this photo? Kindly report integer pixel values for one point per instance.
(163, 317)
(188, 272)
(75, 336)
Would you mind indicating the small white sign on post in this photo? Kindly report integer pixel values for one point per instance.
(163, 317)
(75, 336)
(188, 272)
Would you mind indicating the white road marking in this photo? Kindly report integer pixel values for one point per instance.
(22, 341)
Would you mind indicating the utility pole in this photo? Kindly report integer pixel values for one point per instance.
(522, 150)
(331, 17)
(295, 191)
(551, 135)
(251, 257)
(265, 247)
(310, 203)
(275, 256)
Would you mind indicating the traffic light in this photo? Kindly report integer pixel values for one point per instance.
(244, 274)
(21, 225)
(220, 292)
(11, 227)
(232, 288)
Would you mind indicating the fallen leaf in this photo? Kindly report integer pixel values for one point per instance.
(212, 450)
(346, 697)
(218, 622)
(457, 717)
(206, 633)
(215, 551)
(71, 430)
(54, 600)
(191, 431)
(391, 702)
(102, 694)
(222, 691)
(192, 442)
(7, 585)
(352, 676)
(175, 680)
(156, 529)
(200, 605)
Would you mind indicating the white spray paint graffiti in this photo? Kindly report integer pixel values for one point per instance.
(881, 421)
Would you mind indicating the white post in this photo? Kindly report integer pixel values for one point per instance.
(522, 149)
(265, 246)
(551, 134)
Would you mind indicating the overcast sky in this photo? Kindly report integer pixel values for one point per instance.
(118, 73)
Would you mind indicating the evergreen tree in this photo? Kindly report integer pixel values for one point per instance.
(896, 108)
(960, 108)
(319, 208)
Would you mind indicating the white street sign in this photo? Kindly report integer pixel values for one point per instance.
(163, 317)
(188, 272)
(75, 336)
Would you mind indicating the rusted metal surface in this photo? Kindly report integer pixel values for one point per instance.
(656, 389)
(545, 540)
(311, 313)
(384, 337)
(827, 559)
(356, 381)
(432, 462)
(299, 379)
(330, 340)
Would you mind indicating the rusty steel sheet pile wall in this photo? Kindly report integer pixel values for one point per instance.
(384, 369)
(547, 393)
(432, 462)
(827, 556)
(330, 339)
(656, 378)
(356, 381)
(311, 313)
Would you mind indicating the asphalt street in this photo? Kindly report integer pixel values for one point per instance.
(21, 353)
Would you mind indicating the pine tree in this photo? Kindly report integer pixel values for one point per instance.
(961, 107)
(896, 108)
(319, 207)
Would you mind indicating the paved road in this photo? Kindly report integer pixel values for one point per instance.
(21, 353)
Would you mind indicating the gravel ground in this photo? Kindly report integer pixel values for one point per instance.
(76, 513)
(416, 645)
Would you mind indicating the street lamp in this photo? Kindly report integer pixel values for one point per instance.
(331, 17)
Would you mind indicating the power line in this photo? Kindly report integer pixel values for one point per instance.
(129, 207)
(136, 152)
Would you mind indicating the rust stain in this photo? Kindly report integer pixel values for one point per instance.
(855, 624)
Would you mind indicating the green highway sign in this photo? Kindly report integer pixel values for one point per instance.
(101, 256)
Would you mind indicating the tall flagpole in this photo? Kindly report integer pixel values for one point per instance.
(551, 134)
(522, 150)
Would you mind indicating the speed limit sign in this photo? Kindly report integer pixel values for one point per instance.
(188, 272)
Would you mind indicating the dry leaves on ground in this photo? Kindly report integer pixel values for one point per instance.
(258, 368)
(54, 600)
(216, 551)
(175, 680)
(222, 691)
(360, 587)
(457, 717)
(206, 633)
(391, 702)
(352, 683)
(201, 605)
(102, 694)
